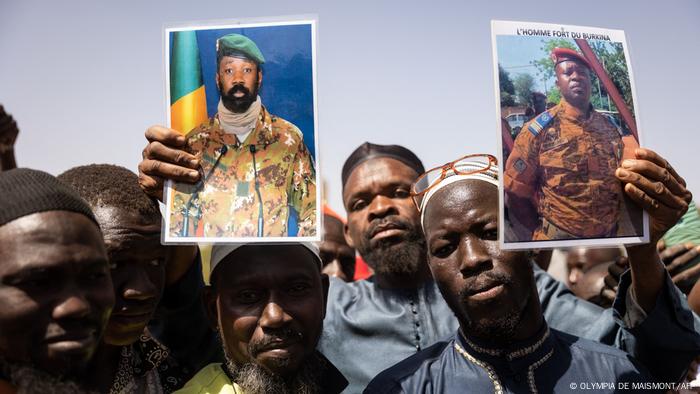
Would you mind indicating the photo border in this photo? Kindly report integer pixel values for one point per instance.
(501, 27)
(306, 19)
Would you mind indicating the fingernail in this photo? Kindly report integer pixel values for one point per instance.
(194, 162)
(697, 249)
(181, 139)
(194, 174)
(628, 163)
(622, 173)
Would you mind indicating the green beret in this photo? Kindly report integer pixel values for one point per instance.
(236, 44)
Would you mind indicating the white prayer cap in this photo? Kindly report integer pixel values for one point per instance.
(489, 175)
(219, 252)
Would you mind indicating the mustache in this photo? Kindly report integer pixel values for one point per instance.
(389, 222)
(484, 281)
(273, 338)
(238, 88)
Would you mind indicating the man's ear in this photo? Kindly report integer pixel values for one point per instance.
(325, 285)
(348, 238)
(259, 77)
(218, 82)
(209, 298)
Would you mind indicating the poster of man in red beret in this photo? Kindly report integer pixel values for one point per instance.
(567, 120)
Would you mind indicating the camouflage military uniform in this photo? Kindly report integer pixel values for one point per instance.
(566, 168)
(227, 204)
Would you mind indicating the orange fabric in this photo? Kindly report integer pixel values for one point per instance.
(569, 166)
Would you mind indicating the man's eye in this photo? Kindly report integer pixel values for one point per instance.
(443, 250)
(401, 193)
(299, 288)
(37, 283)
(248, 297)
(248, 70)
(97, 275)
(357, 205)
(491, 234)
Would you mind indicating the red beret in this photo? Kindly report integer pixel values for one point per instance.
(563, 54)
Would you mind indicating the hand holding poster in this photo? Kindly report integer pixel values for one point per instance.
(255, 141)
(567, 120)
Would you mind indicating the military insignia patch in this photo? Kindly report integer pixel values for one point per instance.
(540, 123)
(520, 165)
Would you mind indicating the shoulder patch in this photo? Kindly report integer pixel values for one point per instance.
(540, 122)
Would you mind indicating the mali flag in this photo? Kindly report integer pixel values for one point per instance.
(188, 102)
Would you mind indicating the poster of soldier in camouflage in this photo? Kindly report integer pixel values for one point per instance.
(567, 120)
(244, 96)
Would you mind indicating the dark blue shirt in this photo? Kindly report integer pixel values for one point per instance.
(549, 362)
(367, 328)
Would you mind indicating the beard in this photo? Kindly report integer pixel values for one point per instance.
(255, 379)
(503, 326)
(391, 257)
(239, 104)
(29, 380)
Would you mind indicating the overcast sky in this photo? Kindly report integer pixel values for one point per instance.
(84, 79)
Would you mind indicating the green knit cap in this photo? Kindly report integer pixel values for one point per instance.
(237, 45)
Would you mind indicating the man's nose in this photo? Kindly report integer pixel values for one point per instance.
(273, 316)
(473, 255)
(573, 276)
(238, 76)
(139, 287)
(71, 306)
(381, 206)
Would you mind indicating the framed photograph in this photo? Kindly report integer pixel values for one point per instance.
(244, 95)
(567, 118)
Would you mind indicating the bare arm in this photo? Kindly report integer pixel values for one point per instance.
(652, 183)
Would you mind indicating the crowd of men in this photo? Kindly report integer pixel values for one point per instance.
(92, 302)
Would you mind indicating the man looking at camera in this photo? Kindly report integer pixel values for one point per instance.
(503, 343)
(267, 302)
(560, 178)
(244, 168)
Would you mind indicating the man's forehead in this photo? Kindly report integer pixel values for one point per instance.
(269, 274)
(259, 258)
(571, 63)
(47, 227)
(228, 59)
(44, 253)
(118, 217)
(379, 170)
